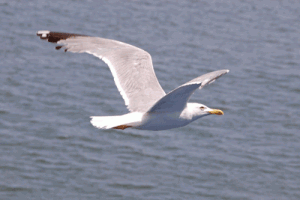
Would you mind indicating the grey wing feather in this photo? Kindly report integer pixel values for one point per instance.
(208, 78)
(176, 100)
(131, 67)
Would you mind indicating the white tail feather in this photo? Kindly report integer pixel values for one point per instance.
(104, 122)
(108, 122)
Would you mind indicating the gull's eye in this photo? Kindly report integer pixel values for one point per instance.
(202, 107)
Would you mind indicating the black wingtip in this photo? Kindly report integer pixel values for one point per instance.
(58, 47)
(54, 37)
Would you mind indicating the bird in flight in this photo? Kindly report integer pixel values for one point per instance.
(150, 107)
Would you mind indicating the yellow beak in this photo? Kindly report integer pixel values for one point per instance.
(216, 112)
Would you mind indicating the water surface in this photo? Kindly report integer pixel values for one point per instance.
(49, 150)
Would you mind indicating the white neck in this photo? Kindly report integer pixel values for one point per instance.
(191, 112)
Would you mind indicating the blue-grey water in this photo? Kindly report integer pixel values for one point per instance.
(49, 150)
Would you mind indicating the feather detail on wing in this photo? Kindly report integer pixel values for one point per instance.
(130, 66)
(176, 100)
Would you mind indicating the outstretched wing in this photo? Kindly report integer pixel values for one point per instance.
(176, 100)
(130, 66)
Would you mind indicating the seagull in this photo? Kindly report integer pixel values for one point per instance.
(150, 108)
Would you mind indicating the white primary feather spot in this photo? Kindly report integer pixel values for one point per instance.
(43, 33)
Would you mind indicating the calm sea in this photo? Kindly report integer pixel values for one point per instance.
(49, 150)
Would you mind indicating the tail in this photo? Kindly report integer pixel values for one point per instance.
(116, 122)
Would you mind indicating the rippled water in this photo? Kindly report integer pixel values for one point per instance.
(49, 150)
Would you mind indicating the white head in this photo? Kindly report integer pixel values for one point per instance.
(194, 111)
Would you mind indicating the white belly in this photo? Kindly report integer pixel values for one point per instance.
(156, 122)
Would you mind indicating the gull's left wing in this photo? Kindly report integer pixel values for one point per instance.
(176, 100)
(130, 66)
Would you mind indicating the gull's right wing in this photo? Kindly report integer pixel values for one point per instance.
(176, 100)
